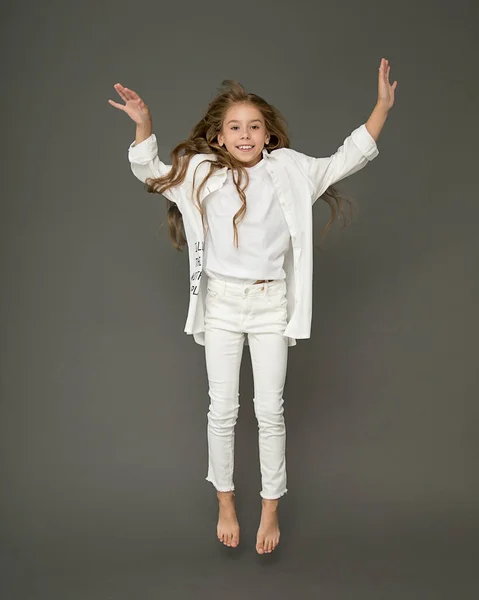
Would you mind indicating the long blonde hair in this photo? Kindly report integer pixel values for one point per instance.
(203, 139)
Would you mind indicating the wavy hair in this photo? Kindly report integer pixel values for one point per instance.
(203, 139)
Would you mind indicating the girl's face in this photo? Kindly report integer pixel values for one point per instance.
(244, 133)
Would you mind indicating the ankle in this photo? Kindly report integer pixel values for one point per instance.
(270, 505)
(225, 497)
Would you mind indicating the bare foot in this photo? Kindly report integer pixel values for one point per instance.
(228, 530)
(268, 532)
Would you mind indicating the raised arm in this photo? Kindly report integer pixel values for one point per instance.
(136, 109)
(143, 152)
(385, 101)
(358, 149)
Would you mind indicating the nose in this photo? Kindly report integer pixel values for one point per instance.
(245, 135)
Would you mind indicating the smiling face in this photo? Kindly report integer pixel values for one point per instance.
(244, 133)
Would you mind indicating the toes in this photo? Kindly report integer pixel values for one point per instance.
(267, 546)
(229, 539)
(260, 545)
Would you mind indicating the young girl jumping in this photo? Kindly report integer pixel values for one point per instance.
(241, 200)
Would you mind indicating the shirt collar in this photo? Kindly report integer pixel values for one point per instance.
(223, 170)
(265, 153)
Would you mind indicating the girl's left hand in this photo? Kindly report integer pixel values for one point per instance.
(385, 89)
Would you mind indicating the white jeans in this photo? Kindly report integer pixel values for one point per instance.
(233, 309)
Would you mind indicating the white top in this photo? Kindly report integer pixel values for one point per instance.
(298, 180)
(263, 234)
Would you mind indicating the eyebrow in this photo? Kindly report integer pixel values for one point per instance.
(236, 121)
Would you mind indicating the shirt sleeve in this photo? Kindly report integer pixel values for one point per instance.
(146, 164)
(357, 150)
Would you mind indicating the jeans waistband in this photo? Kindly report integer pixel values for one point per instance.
(238, 285)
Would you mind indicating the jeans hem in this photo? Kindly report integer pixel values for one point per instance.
(272, 496)
(218, 488)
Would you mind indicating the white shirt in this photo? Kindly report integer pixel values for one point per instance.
(298, 180)
(263, 234)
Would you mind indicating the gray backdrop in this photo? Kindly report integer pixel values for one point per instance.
(104, 398)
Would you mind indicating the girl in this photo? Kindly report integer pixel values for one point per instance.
(249, 284)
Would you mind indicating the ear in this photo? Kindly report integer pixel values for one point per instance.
(221, 139)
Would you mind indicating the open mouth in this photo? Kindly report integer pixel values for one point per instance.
(245, 148)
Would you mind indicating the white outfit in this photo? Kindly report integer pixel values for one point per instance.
(298, 180)
(227, 309)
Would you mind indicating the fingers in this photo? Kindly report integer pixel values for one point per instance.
(130, 94)
(116, 105)
(384, 70)
(120, 89)
(386, 79)
(125, 93)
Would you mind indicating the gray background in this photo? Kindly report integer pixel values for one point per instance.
(104, 398)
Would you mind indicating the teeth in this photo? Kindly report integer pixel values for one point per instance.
(245, 147)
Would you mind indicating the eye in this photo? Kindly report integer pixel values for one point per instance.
(255, 126)
(234, 127)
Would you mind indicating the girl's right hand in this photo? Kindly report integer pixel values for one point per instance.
(134, 106)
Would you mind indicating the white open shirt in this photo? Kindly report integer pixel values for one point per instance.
(298, 180)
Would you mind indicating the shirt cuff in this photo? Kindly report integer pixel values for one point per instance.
(365, 142)
(147, 149)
